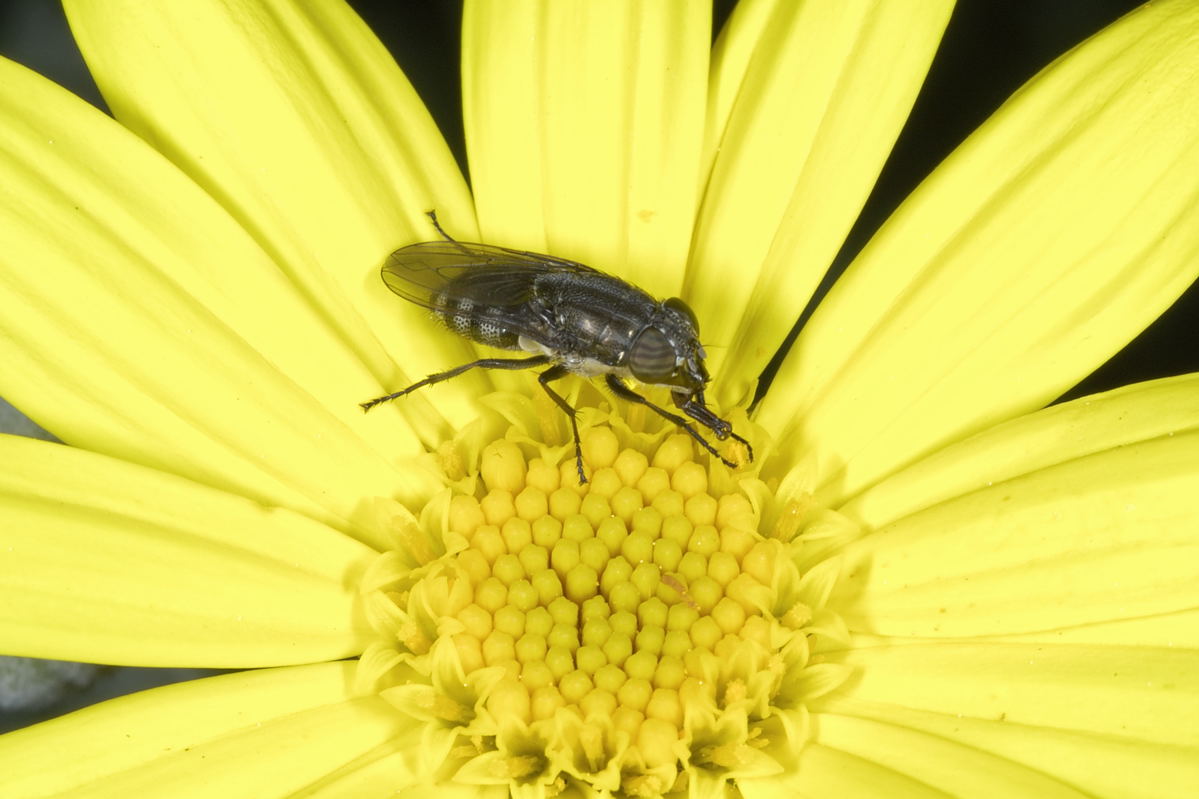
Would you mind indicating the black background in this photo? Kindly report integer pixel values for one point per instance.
(990, 49)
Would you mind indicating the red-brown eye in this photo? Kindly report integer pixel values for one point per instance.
(652, 357)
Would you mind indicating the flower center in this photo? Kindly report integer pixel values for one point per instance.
(632, 634)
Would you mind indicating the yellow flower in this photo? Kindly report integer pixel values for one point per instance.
(922, 585)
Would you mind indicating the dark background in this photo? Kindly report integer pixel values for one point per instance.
(990, 49)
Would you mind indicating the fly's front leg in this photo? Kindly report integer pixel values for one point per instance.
(485, 363)
(556, 372)
(694, 407)
(624, 392)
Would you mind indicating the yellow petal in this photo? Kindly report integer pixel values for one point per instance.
(1101, 548)
(805, 103)
(251, 734)
(1047, 241)
(1040, 634)
(141, 321)
(827, 772)
(107, 562)
(383, 772)
(587, 119)
(454, 790)
(867, 758)
(1089, 718)
(296, 118)
(1055, 435)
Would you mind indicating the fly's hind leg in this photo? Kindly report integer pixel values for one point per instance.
(485, 363)
(554, 373)
(432, 214)
(433, 217)
(624, 392)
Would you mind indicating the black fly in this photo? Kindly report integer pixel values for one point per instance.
(576, 319)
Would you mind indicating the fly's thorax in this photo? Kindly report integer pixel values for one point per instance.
(574, 362)
(595, 319)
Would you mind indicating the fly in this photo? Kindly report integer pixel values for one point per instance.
(572, 318)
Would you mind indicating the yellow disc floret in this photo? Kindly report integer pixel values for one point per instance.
(639, 625)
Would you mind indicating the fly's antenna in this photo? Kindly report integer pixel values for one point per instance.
(432, 214)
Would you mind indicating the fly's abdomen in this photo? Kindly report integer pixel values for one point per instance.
(478, 322)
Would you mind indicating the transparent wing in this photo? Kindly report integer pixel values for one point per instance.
(434, 272)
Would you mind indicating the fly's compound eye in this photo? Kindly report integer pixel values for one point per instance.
(678, 306)
(652, 357)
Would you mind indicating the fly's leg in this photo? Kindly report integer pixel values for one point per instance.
(554, 373)
(624, 392)
(432, 214)
(433, 217)
(697, 410)
(749, 449)
(485, 363)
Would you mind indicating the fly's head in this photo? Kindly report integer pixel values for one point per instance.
(668, 353)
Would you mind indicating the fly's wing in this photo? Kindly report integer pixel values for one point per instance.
(437, 274)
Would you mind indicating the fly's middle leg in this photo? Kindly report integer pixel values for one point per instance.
(554, 373)
(484, 363)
